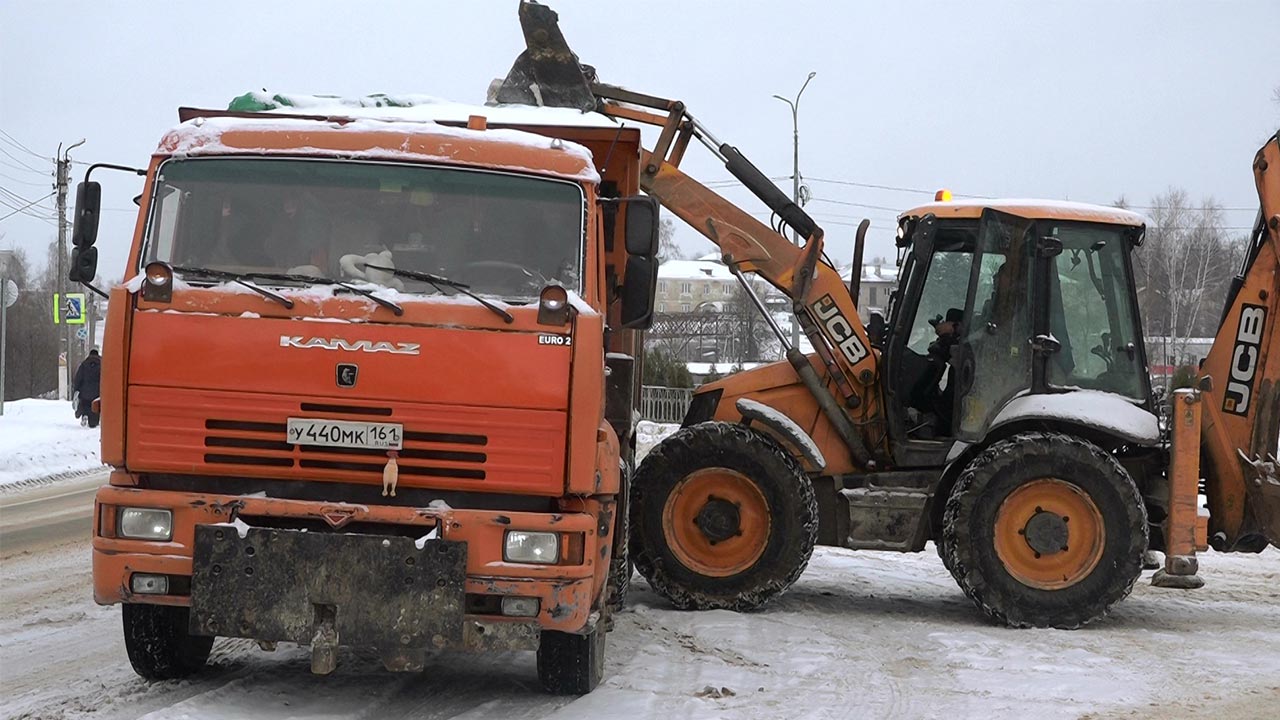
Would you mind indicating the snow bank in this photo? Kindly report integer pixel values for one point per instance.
(649, 434)
(43, 438)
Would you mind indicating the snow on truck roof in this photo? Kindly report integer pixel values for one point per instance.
(1029, 208)
(411, 130)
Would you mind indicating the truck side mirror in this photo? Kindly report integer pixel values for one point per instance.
(84, 264)
(642, 226)
(637, 292)
(88, 207)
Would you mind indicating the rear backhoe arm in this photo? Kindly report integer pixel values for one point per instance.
(1241, 385)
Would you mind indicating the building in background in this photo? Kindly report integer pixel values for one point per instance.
(703, 319)
(690, 285)
(879, 279)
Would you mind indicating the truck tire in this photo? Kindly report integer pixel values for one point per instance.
(722, 517)
(571, 664)
(1045, 530)
(620, 567)
(158, 643)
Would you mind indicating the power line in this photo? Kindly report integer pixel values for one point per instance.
(24, 207)
(10, 178)
(854, 204)
(14, 142)
(18, 160)
(15, 199)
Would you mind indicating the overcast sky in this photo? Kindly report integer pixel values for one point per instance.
(1067, 100)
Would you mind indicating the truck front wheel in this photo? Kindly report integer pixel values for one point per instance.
(158, 643)
(571, 664)
(1045, 530)
(722, 517)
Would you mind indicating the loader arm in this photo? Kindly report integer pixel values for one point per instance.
(1241, 384)
(821, 303)
(549, 73)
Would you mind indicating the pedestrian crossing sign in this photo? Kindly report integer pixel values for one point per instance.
(68, 308)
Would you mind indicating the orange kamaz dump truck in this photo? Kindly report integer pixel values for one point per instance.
(370, 383)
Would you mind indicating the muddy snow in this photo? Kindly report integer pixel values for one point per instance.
(862, 635)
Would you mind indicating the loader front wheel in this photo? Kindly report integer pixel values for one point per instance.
(159, 644)
(1045, 530)
(722, 517)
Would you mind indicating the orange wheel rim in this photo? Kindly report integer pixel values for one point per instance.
(716, 522)
(1049, 534)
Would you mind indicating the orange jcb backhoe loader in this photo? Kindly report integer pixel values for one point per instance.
(371, 383)
(1002, 409)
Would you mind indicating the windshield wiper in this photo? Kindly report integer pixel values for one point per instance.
(315, 280)
(239, 279)
(439, 283)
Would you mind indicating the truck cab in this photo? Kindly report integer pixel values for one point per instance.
(356, 388)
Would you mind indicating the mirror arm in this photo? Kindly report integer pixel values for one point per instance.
(110, 166)
(96, 289)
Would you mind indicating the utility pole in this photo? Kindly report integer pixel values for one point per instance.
(63, 182)
(795, 179)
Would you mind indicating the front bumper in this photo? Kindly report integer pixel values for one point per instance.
(565, 592)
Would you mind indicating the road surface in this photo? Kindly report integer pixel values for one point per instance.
(862, 635)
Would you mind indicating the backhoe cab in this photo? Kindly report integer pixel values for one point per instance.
(1002, 410)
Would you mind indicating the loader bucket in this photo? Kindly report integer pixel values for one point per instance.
(547, 72)
(1262, 484)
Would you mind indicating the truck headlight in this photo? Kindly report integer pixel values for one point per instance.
(522, 546)
(145, 524)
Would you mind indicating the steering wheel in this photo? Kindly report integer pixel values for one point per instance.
(531, 277)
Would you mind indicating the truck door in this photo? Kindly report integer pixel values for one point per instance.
(993, 356)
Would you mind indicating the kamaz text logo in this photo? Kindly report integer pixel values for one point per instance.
(369, 346)
(839, 329)
(1244, 359)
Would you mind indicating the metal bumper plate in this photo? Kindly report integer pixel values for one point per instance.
(375, 591)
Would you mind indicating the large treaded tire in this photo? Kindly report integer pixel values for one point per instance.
(571, 664)
(969, 529)
(158, 643)
(792, 510)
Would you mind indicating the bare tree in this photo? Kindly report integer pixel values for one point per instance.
(1183, 267)
(752, 339)
(31, 368)
(668, 249)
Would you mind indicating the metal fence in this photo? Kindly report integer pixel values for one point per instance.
(664, 404)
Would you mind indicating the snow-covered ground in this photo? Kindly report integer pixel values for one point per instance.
(862, 635)
(41, 439)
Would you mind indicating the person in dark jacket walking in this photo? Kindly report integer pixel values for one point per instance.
(87, 385)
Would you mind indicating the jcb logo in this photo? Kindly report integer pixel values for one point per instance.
(839, 329)
(1244, 359)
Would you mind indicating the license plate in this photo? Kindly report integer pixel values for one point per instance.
(341, 433)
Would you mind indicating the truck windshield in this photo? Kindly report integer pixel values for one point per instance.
(502, 234)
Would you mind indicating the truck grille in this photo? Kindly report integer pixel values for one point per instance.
(233, 434)
(421, 455)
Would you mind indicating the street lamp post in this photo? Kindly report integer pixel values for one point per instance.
(795, 177)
